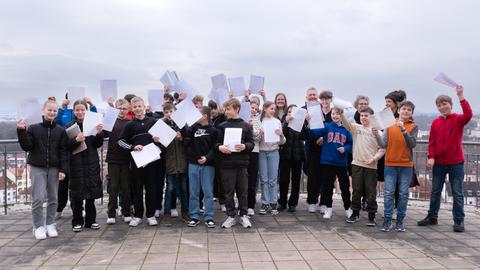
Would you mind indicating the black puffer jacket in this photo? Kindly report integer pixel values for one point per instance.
(46, 144)
(85, 182)
(294, 146)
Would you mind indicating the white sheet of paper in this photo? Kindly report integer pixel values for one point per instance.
(29, 110)
(237, 86)
(245, 111)
(256, 84)
(220, 95)
(183, 86)
(383, 119)
(219, 81)
(109, 117)
(164, 131)
(169, 78)
(342, 104)
(298, 119)
(155, 100)
(316, 115)
(186, 113)
(444, 79)
(91, 120)
(75, 93)
(108, 88)
(232, 137)
(149, 154)
(269, 127)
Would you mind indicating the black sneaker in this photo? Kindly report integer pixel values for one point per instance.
(273, 209)
(264, 210)
(281, 207)
(428, 221)
(210, 223)
(372, 222)
(458, 226)
(354, 217)
(193, 223)
(292, 208)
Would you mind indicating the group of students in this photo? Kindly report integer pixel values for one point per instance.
(198, 167)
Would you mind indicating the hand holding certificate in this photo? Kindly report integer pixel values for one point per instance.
(237, 86)
(316, 115)
(256, 84)
(269, 131)
(232, 137)
(147, 155)
(90, 122)
(444, 79)
(383, 119)
(163, 131)
(298, 119)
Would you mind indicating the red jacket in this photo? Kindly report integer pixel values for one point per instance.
(445, 143)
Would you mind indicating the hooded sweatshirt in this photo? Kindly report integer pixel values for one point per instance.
(200, 141)
(334, 136)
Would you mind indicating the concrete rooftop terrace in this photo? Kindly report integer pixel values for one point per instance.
(288, 241)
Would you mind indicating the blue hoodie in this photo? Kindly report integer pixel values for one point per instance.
(334, 136)
(65, 115)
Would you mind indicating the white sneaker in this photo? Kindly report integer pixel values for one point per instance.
(127, 219)
(174, 213)
(135, 221)
(58, 215)
(348, 212)
(322, 209)
(223, 208)
(110, 220)
(40, 233)
(245, 221)
(229, 222)
(157, 213)
(52, 230)
(250, 212)
(328, 213)
(312, 208)
(152, 221)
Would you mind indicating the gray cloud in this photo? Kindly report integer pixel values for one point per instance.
(351, 47)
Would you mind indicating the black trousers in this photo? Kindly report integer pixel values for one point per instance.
(217, 186)
(159, 184)
(289, 170)
(119, 183)
(90, 212)
(144, 178)
(235, 181)
(252, 179)
(313, 183)
(328, 175)
(62, 194)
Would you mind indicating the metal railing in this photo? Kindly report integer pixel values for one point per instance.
(16, 187)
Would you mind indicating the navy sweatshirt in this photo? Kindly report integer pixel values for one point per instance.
(334, 136)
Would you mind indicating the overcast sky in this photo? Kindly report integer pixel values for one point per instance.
(350, 47)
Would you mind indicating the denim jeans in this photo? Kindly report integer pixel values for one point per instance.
(177, 182)
(268, 165)
(396, 177)
(201, 177)
(456, 174)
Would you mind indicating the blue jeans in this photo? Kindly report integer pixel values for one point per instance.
(456, 174)
(268, 166)
(396, 177)
(177, 182)
(201, 176)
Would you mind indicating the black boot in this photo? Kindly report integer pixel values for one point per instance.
(427, 221)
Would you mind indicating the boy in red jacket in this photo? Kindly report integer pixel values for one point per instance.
(445, 156)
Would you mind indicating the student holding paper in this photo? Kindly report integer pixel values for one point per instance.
(366, 153)
(269, 158)
(46, 144)
(200, 141)
(337, 142)
(65, 116)
(234, 163)
(175, 168)
(292, 155)
(445, 156)
(133, 138)
(118, 160)
(256, 126)
(399, 141)
(217, 117)
(314, 150)
(85, 182)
